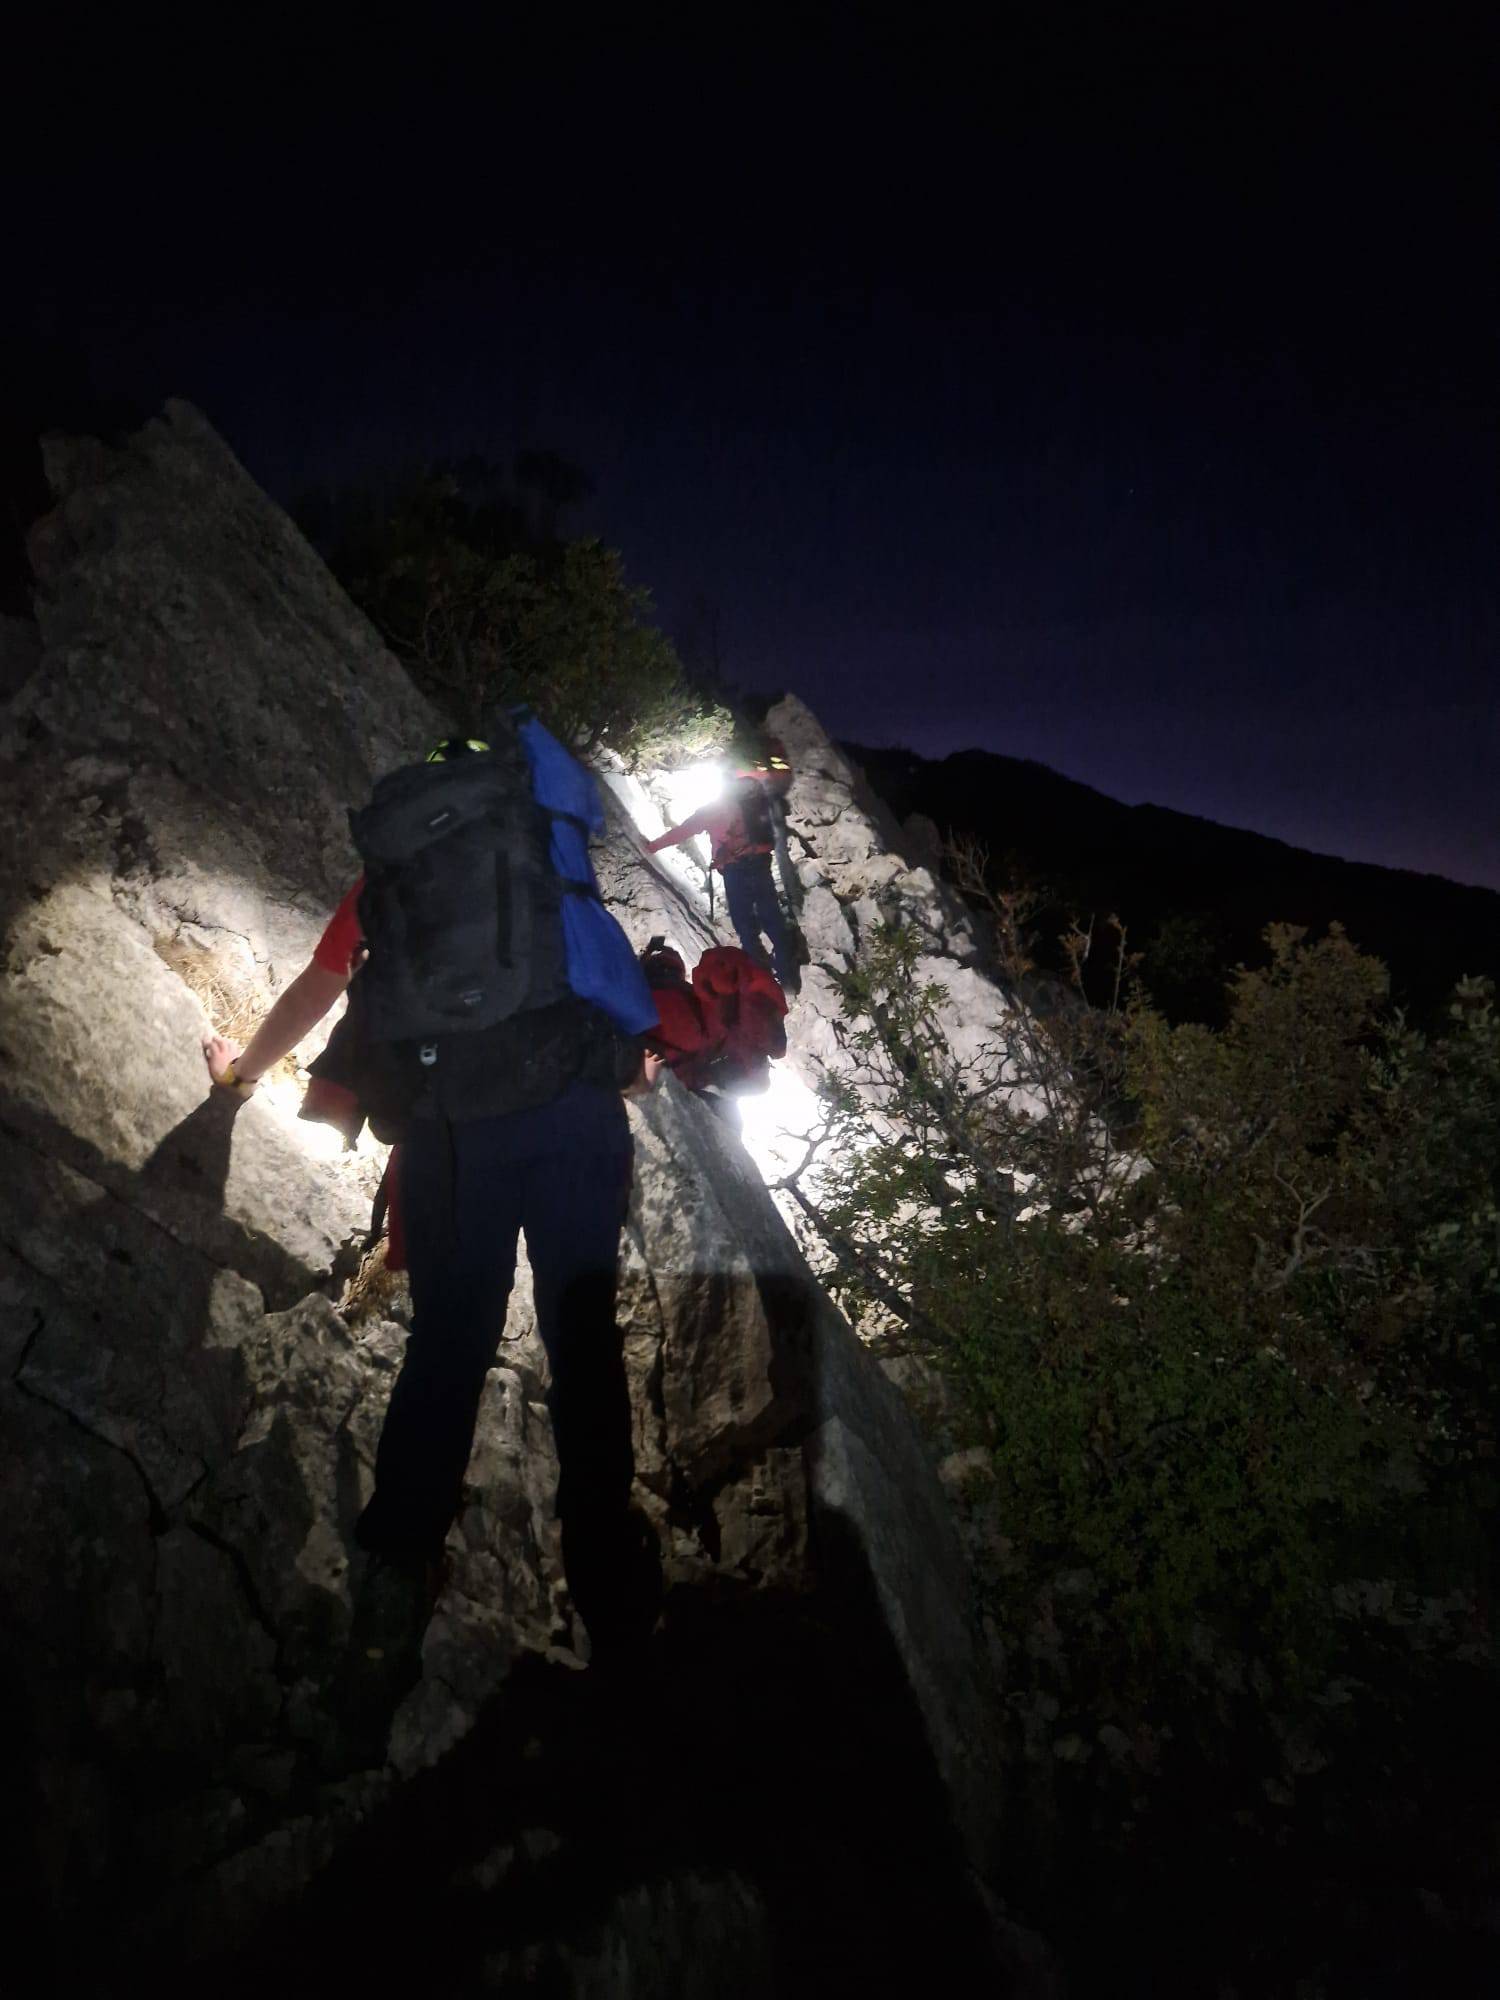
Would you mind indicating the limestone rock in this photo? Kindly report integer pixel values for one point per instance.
(846, 843)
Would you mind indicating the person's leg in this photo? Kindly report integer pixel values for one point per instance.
(741, 894)
(575, 1207)
(461, 1212)
(769, 919)
(460, 1197)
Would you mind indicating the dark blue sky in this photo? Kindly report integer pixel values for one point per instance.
(1126, 400)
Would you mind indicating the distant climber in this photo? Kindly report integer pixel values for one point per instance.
(496, 1014)
(741, 828)
(720, 1031)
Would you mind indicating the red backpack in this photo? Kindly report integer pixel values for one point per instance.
(689, 1035)
(751, 1009)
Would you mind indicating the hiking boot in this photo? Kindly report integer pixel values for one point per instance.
(392, 1605)
(615, 1577)
(382, 1661)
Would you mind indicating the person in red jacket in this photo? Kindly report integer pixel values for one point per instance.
(556, 1164)
(690, 1037)
(741, 837)
(720, 1032)
(751, 1010)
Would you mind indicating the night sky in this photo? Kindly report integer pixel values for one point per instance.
(1122, 397)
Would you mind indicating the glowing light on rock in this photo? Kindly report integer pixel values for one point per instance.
(692, 786)
(776, 1124)
(282, 1097)
(666, 798)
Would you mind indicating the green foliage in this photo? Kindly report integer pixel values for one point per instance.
(485, 611)
(1219, 1306)
(1211, 1321)
(1183, 966)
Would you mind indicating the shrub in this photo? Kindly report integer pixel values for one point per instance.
(484, 614)
(1214, 1317)
(1216, 1303)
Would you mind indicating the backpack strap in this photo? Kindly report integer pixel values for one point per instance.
(565, 882)
(379, 1209)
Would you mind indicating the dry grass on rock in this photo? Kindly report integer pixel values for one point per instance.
(234, 1002)
(376, 1292)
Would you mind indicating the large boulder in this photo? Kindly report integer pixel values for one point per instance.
(858, 869)
(190, 1413)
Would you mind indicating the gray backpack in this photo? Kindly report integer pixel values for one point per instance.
(461, 907)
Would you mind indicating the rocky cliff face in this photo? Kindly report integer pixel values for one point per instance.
(190, 1418)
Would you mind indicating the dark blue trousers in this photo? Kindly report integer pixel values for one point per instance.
(562, 1174)
(755, 910)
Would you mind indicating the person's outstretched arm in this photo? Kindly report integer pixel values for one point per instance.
(676, 835)
(295, 1014)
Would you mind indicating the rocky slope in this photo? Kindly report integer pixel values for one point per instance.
(189, 1418)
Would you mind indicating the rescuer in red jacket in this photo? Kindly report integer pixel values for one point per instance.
(751, 1008)
(741, 838)
(719, 1032)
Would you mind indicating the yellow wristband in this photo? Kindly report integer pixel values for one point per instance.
(231, 1080)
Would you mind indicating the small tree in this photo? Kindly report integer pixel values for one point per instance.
(577, 640)
(484, 614)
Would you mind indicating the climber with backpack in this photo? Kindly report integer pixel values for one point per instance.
(496, 1015)
(752, 1009)
(742, 831)
(718, 1032)
(689, 1037)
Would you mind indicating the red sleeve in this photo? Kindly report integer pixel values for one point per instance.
(335, 949)
(676, 835)
(682, 1029)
